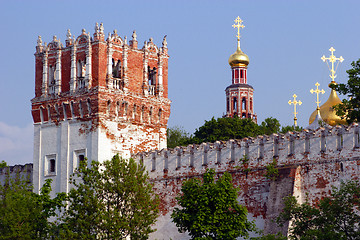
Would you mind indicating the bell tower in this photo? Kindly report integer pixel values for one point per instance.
(239, 95)
(95, 97)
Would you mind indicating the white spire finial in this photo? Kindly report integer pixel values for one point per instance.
(101, 28)
(39, 41)
(68, 35)
(164, 42)
(134, 36)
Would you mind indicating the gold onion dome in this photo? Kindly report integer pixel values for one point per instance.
(328, 114)
(238, 59)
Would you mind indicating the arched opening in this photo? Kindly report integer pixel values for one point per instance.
(235, 105)
(251, 104)
(243, 115)
(108, 107)
(243, 104)
(160, 112)
(150, 114)
(116, 68)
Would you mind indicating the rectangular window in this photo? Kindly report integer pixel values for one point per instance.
(79, 156)
(50, 165)
(241, 73)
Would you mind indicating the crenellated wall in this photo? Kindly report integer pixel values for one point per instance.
(23, 172)
(309, 163)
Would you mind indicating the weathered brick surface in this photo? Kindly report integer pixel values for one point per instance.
(90, 109)
(309, 162)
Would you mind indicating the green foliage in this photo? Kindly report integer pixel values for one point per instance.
(3, 164)
(277, 236)
(24, 214)
(269, 125)
(177, 136)
(288, 128)
(111, 200)
(272, 172)
(350, 108)
(209, 209)
(225, 129)
(335, 217)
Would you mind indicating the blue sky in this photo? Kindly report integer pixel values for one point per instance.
(283, 39)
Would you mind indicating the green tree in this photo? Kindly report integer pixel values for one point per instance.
(269, 125)
(225, 129)
(288, 128)
(335, 217)
(24, 214)
(3, 164)
(110, 200)
(350, 108)
(177, 136)
(209, 209)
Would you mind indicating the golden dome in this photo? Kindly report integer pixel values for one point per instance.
(238, 59)
(327, 113)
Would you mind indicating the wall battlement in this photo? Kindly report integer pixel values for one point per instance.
(15, 172)
(292, 148)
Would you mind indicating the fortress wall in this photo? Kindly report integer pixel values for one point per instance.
(309, 164)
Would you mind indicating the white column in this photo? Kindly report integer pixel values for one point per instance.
(160, 88)
(58, 73)
(44, 86)
(88, 65)
(125, 64)
(73, 69)
(109, 66)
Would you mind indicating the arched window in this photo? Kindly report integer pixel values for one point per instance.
(227, 104)
(65, 112)
(116, 68)
(244, 104)
(150, 114)
(160, 112)
(235, 106)
(243, 115)
(108, 107)
(251, 104)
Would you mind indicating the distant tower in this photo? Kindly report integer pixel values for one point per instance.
(95, 98)
(239, 95)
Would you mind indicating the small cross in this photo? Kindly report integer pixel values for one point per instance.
(317, 91)
(295, 102)
(238, 25)
(332, 59)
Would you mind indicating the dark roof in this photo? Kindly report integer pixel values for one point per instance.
(239, 85)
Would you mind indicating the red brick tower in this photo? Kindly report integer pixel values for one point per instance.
(239, 95)
(94, 98)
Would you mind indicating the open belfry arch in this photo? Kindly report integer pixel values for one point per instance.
(95, 97)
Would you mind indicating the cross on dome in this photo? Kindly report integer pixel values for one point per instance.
(332, 59)
(317, 91)
(238, 25)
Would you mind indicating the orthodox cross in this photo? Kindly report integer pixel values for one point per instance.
(332, 59)
(295, 102)
(238, 25)
(317, 91)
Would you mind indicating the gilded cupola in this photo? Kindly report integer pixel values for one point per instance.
(327, 112)
(239, 58)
